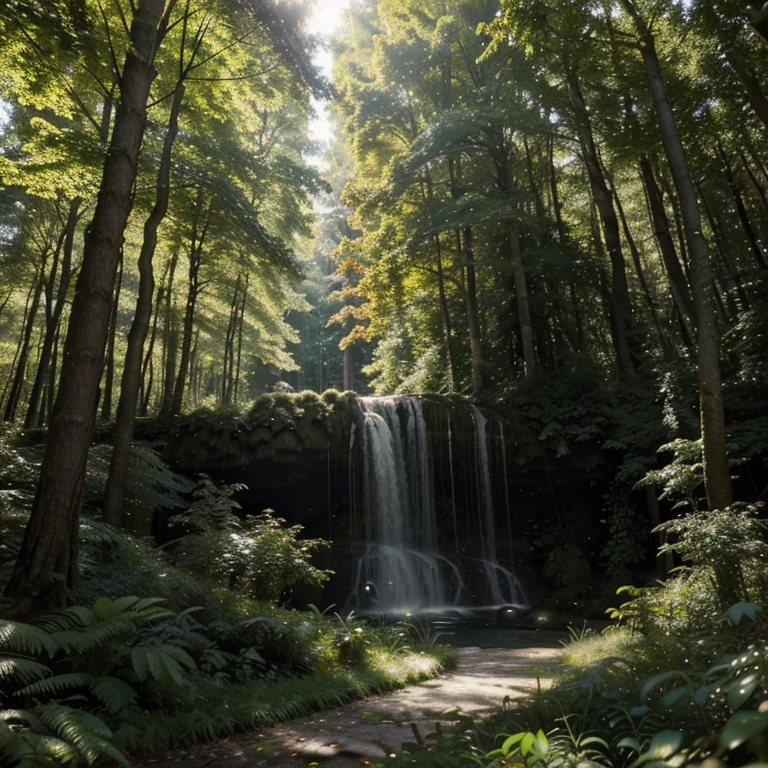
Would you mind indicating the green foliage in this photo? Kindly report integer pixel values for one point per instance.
(259, 556)
(151, 484)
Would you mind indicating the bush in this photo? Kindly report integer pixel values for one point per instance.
(258, 556)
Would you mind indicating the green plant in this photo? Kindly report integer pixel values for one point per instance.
(259, 556)
(561, 748)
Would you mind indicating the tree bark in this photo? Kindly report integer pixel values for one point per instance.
(54, 316)
(678, 285)
(114, 491)
(473, 312)
(741, 209)
(47, 562)
(20, 373)
(109, 366)
(755, 93)
(717, 478)
(523, 307)
(621, 306)
(170, 339)
(199, 234)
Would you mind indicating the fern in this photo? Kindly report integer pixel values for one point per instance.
(26, 639)
(23, 670)
(115, 694)
(86, 733)
(96, 636)
(52, 686)
(161, 663)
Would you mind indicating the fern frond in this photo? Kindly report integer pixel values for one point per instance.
(179, 655)
(140, 662)
(59, 621)
(24, 670)
(96, 636)
(164, 667)
(25, 716)
(50, 750)
(14, 748)
(85, 732)
(148, 602)
(115, 694)
(16, 637)
(51, 686)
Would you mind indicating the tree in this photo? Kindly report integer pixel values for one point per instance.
(48, 557)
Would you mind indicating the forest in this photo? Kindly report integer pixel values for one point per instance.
(307, 370)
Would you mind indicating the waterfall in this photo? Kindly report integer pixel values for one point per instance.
(503, 585)
(401, 567)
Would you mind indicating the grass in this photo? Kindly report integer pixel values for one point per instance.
(257, 703)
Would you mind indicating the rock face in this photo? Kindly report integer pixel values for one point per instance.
(423, 496)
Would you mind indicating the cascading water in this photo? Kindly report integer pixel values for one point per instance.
(402, 567)
(502, 583)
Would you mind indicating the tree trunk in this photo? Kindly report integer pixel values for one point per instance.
(473, 312)
(678, 285)
(109, 368)
(646, 291)
(193, 290)
(239, 359)
(717, 476)
(621, 306)
(114, 491)
(20, 373)
(54, 317)
(521, 299)
(741, 209)
(148, 366)
(446, 315)
(47, 562)
(170, 339)
(751, 84)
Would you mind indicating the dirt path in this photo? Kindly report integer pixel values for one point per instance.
(344, 737)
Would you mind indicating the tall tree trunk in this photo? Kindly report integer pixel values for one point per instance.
(445, 314)
(741, 209)
(646, 291)
(54, 316)
(755, 93)
(47, 561)
(109, 367)
(199, 233)
(721, 241)
(170, 339)
(473, 312)
(678, 285)
(621, 305)
(114, 491)
(20, 372)
(717, 478)
(148, 366)
(239, 358)
(521, 299)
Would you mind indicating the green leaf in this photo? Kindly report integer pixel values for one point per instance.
(741, 690)
(510, 742)
(665, 744)
(739, 611)
(741, 727)
(629, 743)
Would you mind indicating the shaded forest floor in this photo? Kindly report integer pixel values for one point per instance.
(348, 736)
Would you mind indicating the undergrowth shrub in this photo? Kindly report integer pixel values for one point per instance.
(259, 556)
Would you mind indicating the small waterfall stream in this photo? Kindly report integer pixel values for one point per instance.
(402, 567)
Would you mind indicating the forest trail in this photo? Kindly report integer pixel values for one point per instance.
(345, 737)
